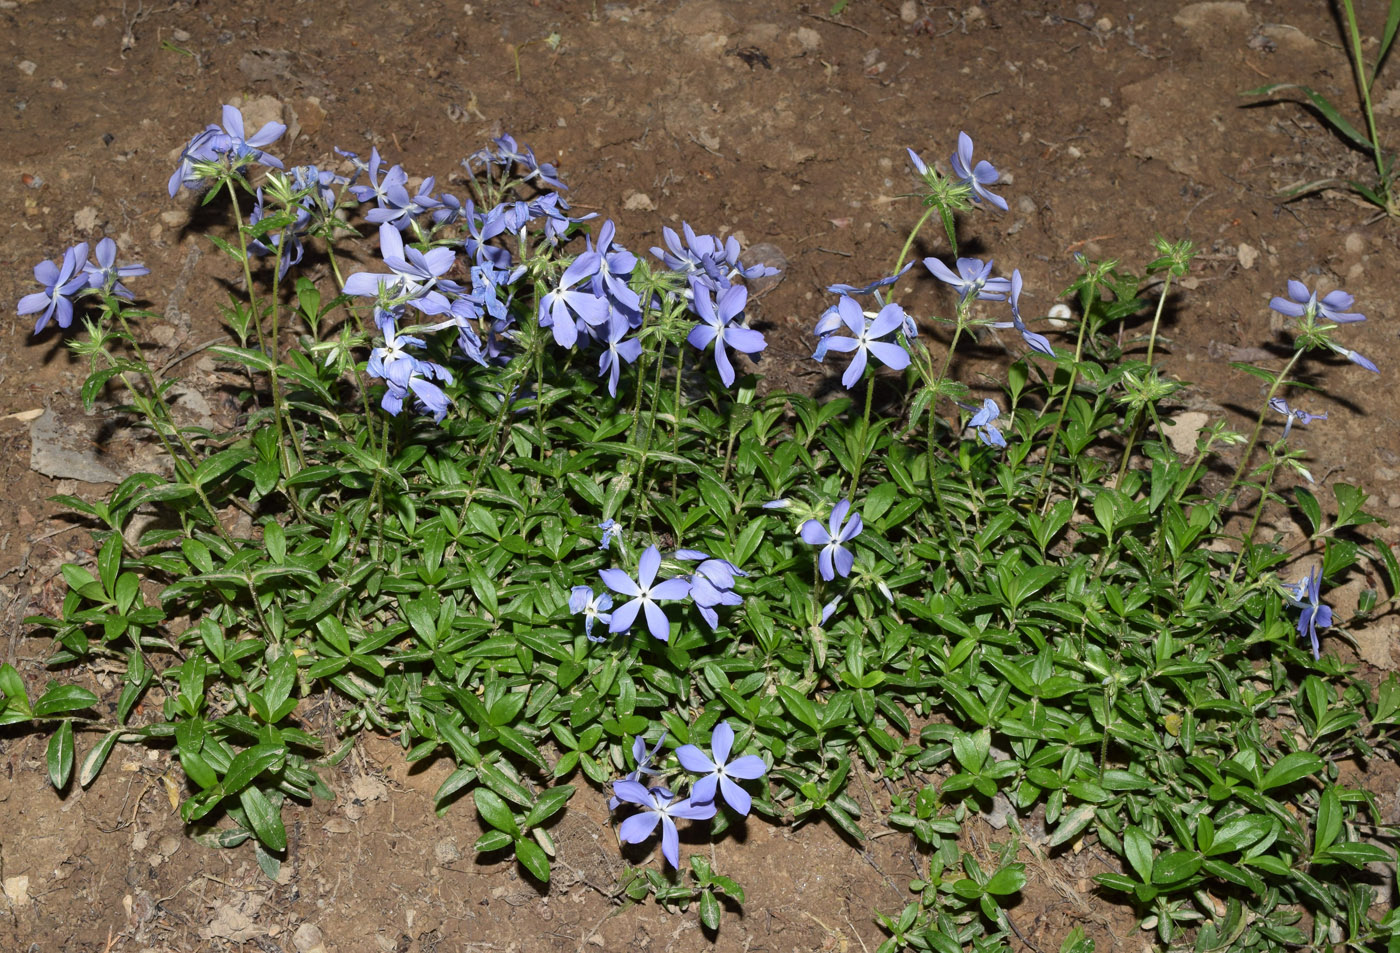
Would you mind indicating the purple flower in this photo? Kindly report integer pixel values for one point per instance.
(835, 558)
(398, 208)
(1301, 416)
(378, 188)
(413, 273)
(865, 342)
(106, 274)
(566, 309)
(720, 772)
(61, 282)
(1300, 301)
(610, 530)
(658, 804)
(712, 584)
(241, 150)
(644, 595)
(1304, 596)
(197, 150)
(979, 176)
(715, 326)
(1036, 342)
(876, 285)
(643, 759)
(610, 266)
(405, 374)
(594, 608)
(972, 279)
(984, 423)
(1355, 358)
(616, 350)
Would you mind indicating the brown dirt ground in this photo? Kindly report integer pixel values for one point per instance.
(1110, 121)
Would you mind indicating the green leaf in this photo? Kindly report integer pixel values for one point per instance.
(1329, 112)
(533, 858)
(16, 701)
(248, 764)
(1290, 768)
(493, 840)
(494, 811)
(1137, 847)
(709, 910)
(548, 804)
(60, 698)
(1175, 867)
(60, 755)
(1010, 879)
(1356, 854)
(1329, 820)
(264, 817)
(1310, 507)
(96, 758)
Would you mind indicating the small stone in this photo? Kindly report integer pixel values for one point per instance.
(1393, 501)
(17, 890)
(27, 67)
(809, 39)
(1354, 244)
(446, 852)
(180, 36)
(909, 11)
(1103, 24)
(309, 939)
(174, 217)
(639, 202)
(85, 219)
(1247, 255)
(1183, 431)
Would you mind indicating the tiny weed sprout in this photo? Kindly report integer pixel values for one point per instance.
(712, 604)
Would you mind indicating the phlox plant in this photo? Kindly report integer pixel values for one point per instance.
(517, 500)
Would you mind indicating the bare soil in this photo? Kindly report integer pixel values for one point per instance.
(1111, 122)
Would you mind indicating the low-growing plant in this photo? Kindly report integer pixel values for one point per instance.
(712, 602)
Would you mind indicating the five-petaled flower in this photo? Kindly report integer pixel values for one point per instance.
(835, 558)
(644, 595)
(715, 325)
(1301, 302)
(1314, 615)
(594, 608)
(979, 176)
(657, 804)
(61, 281)
(719, 772)
(866, 340)
(972, 279)
(1292, 413)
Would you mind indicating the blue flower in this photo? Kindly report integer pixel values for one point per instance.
(644, 760)
(890, 317)
(983, 421)
(610, 530)
(875, 285)
(1036, 342)
(715, 327)
(594, 608)
(835, 558)
(61, 282)
(1301, 301)
(413, 273)
(720, 772)
(1304, 596)
(566, 309)
(242, 149)
(658, 804)
(644, 595)
(405, 374)
(199, 150)
(106, 275)
(712, 584)
(979, 176)
(1301, 416)
(972, 279)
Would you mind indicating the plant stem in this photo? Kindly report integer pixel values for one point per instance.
(1259, 423)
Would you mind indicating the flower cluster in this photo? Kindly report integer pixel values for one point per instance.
(710, 585)
(1305, 596)
(718, 775)
(73, 275)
